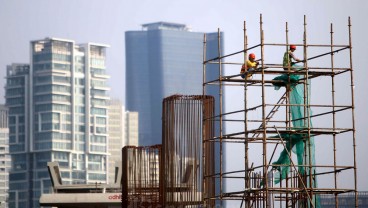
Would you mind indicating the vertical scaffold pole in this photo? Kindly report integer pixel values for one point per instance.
(220, 115)
(307, 121)
(353, 112)
(287, 107)
(205, 195)
(333, 112)
(246, 148)
(264, 142)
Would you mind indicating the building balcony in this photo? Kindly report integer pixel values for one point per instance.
(100, 96)
(54, 92)
(13, 95)
(100, 75)
(100, 87)
(54, 83)
(14, 86)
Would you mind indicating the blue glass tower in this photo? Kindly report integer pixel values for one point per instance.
(161, 60)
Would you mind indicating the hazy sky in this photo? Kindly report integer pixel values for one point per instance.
(105, 21)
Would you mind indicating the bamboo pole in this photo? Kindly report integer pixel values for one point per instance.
(353, 113)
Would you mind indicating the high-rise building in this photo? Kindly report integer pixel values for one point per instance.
(116, 135)
(123, 131)
(131, 128)
(57, 112)
(161, 60)
(4, 157)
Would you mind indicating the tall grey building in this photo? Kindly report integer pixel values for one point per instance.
(116, 136)
(161, 60)
(123, 131)
(57, 112)
(4, 157)
(131, 128)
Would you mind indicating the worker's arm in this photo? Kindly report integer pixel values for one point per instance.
(292, 56)
(242, 70)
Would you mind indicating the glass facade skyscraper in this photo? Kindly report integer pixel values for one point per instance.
(161, 60)
(57, 112)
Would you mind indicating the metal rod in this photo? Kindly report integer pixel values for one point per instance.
(326, 113)
(308, 45)
(222, 57)
(328, 53)
(311, 58)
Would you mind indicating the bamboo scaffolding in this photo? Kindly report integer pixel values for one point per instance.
(298, 189)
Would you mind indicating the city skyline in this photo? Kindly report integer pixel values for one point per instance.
(98, 21)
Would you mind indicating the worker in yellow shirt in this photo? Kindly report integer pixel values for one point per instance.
(250, 65)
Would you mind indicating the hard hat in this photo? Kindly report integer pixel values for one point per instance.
(252, 56)
(292, 47)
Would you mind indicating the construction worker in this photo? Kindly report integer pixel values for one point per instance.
(250, 65)
(288, 57)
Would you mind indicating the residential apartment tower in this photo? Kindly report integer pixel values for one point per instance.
(57, 112)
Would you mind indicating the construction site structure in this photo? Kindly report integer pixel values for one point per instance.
(278, 118)
(283, 122)
(82, 195)
(170, 175)
(164, 175)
